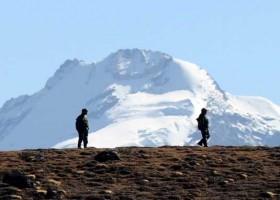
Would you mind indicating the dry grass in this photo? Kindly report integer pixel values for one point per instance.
(145, 173)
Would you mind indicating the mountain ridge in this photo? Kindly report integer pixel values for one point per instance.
(153, 98)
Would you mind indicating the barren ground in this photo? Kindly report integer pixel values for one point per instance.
(143, 173)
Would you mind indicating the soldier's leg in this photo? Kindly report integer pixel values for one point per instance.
(207, 135)
(201, 141)
(85, 140)
(204, 137)
(81, 137)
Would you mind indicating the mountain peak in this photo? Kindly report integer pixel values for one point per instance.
(143, 56)
(135, 98)
(135, 63)
(64, 69)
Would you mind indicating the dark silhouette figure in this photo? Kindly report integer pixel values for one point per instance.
(203, 127)
(82, 127)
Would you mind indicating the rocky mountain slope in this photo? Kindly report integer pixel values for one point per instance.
(142, 173)
(135, 98)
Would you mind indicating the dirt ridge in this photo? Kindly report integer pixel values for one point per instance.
(169, 172)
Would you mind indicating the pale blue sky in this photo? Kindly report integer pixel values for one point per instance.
(236, 41)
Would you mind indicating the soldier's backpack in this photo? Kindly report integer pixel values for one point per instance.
(79, 123)
(199, 123)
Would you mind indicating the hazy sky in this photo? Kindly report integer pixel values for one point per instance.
(236, 41)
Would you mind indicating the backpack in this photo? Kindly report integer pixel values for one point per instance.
(199, 123)
(79, 123)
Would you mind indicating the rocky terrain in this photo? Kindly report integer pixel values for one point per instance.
(142, 173)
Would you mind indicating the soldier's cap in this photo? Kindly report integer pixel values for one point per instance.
(84, 110)
(204, 109)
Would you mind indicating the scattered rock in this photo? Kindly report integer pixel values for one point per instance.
(231, 180)
(243, 176)
(225, 182)
(146, 181)
(32, 156)
(31, 177)
(10, 190)
(205, 179)
(145, 156)
(54, 182)
(10, 197)
(108, 155)
(204, 156)
(52, 193)
(18, 179)
(37, 183)
(63, 192)
(106, 192)
(42, 192)
(40, 171)
(215, 173)
(101, 166)
(80, 172)
(267, 194)
(177, 174)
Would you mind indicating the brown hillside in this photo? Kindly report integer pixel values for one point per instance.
(142, 173)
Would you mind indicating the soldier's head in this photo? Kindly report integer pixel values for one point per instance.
(204, 111)
(84, 111)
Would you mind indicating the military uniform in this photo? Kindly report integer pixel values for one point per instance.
(203, 123)
(82, 126)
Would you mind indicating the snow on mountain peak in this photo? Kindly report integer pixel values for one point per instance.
(135, 97)
(135, 63)
(64, 69)
(136, 55)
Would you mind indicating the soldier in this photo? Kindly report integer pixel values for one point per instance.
(82, 127)
(203, 127)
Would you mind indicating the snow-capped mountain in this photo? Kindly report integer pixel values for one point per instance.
(135, 98)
